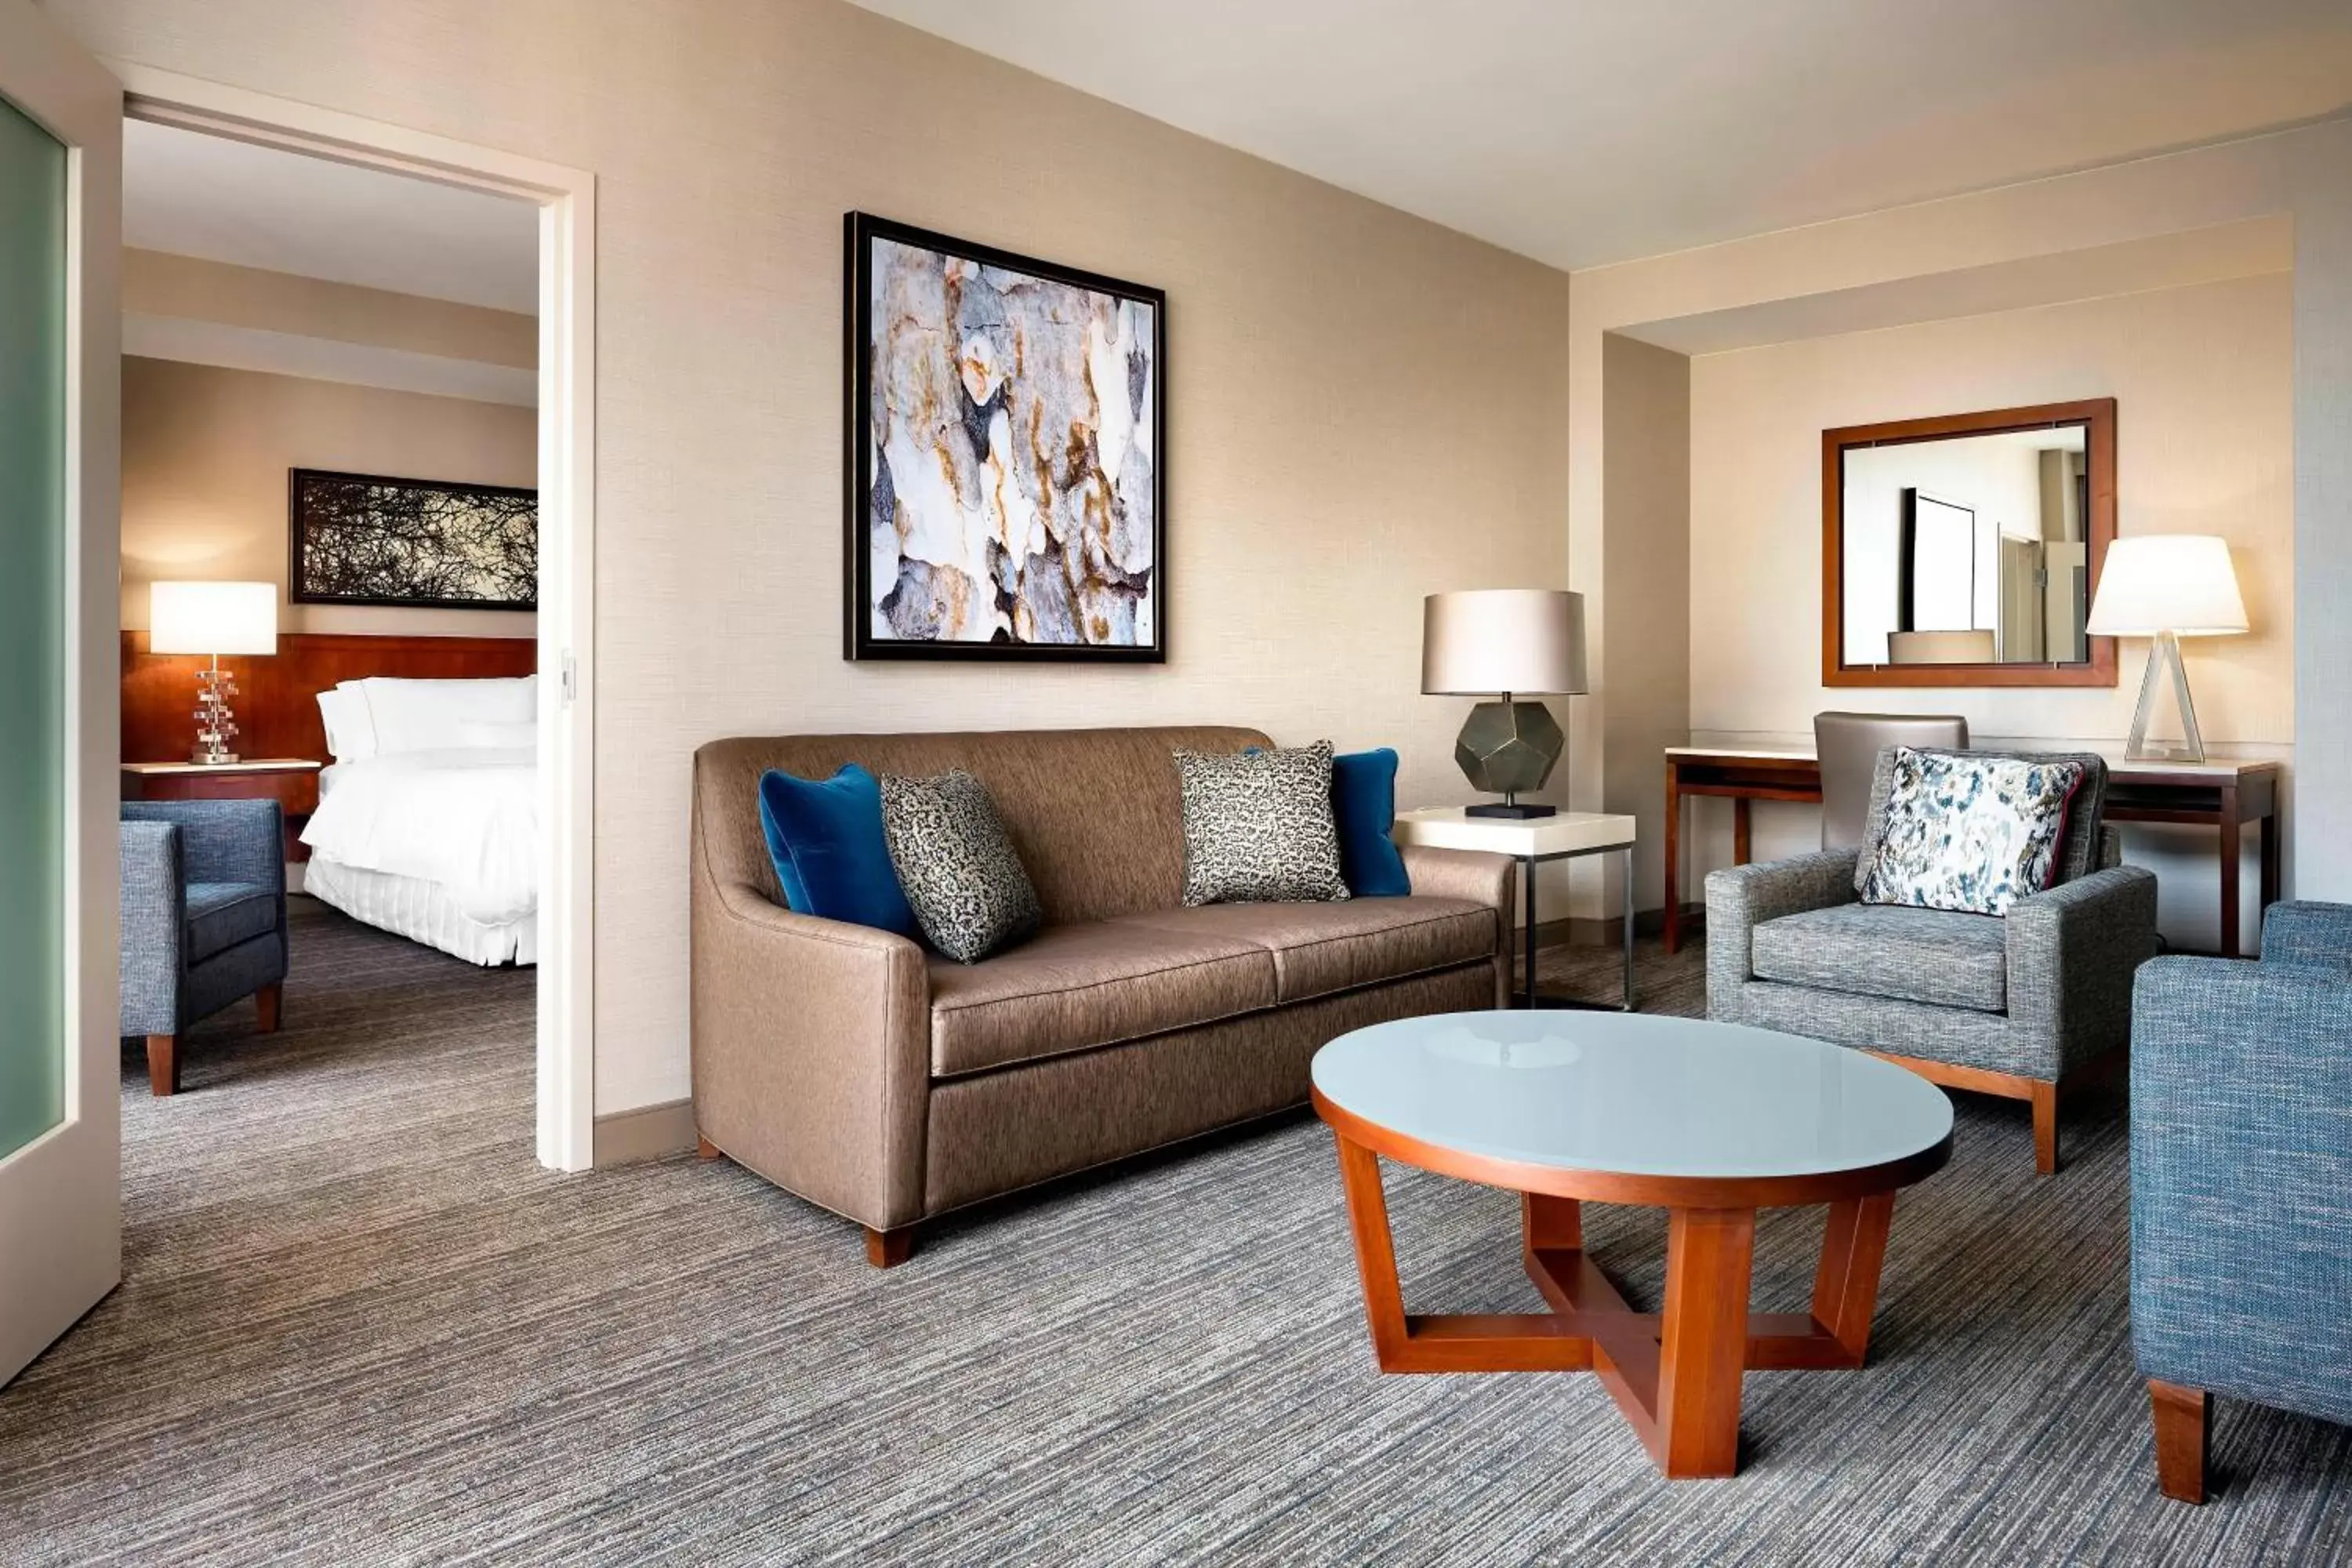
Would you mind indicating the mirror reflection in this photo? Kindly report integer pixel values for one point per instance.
(1968, 549)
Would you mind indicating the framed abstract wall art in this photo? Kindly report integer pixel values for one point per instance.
(1005, 480)
(365, 539)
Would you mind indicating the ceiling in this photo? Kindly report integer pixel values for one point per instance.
(206, 196)
(1586, 132)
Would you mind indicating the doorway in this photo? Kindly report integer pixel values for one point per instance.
(565, 200)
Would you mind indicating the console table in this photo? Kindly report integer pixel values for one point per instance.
(2226, 795)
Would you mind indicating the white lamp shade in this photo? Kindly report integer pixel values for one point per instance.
(1502, 640)
(2177, 583)
(211, 618)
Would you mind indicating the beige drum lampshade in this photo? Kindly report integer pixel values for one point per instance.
(1490, 640)
(213, 618)
(2177, 583)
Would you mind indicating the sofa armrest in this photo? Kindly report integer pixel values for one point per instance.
(812, 1050)
(1479, 876)
(2308, 933)
(2072, 953)
(154, 916)
(1742, 898)
(2241, 1156)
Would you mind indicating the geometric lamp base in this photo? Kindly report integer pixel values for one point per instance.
(2163, 657)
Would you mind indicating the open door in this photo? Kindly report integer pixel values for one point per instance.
(60, 411)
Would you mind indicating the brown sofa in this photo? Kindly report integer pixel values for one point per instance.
(891, 1085)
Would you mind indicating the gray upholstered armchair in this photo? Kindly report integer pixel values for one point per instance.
(2241, 1164)
(203, 919)
(2015, 1005)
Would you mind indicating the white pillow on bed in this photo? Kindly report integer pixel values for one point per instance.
(432, 715)
(351, 732)
(501, 737)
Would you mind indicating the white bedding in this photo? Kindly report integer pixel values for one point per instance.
(467, 820)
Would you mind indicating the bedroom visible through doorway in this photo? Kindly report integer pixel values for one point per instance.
(336, 381)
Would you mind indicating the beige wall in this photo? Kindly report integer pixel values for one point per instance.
(1646, 580)
(2202, 380)
(158, 284)
(205, 454)
(1363, 408)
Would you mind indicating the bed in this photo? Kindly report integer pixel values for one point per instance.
(428, 818)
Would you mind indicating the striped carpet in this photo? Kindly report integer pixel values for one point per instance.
(359, 1325)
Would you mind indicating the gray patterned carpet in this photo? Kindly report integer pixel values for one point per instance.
(360, 1326)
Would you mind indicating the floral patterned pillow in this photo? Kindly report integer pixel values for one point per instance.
(1968, 832)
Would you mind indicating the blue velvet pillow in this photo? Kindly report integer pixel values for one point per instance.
(1363, 808)
(1363, 802)
(831, 857)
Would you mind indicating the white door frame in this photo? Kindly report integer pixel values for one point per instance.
(61, 1211)
(567, 533)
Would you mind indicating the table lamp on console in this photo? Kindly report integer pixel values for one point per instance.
(1505, 643)
(212, 619)
(2167, 587)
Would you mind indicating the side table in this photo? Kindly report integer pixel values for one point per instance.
(1531, 841)
(291, 782)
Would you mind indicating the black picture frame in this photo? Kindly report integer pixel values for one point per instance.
(306, 493)
(860, 233)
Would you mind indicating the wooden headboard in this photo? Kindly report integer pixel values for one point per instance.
(277, 705)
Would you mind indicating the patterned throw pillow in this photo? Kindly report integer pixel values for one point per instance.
(958, 866)
(1972, 834)
(1258, 827)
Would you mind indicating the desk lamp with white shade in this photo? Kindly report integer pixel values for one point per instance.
(2167, 587)
(213, 618)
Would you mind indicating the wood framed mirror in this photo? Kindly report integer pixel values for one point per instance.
(1963, 550)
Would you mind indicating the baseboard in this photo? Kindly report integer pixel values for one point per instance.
(648, 1132)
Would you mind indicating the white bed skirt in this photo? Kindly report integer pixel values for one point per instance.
(419, 911)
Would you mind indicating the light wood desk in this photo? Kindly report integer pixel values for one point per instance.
(2226, 795)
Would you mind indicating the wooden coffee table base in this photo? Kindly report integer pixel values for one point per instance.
(1675, 1373)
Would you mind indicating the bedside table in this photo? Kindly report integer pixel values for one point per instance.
(291, 782)
(1531, 841)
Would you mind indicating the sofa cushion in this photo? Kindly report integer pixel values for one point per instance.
(831, 857)
(222, 914)
(1259, 826)
(1322, 948)
(1074, 987)
(1966, 832)
(957, 864)
(1931, 956)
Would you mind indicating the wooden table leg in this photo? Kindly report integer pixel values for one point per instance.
(1368, 1218)
(1674, 844)
(1702, 1341)
(2269, 871)
(1743, 830)
(2233, 936)
(1845, 1286)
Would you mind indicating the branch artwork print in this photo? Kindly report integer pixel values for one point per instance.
(362, 538)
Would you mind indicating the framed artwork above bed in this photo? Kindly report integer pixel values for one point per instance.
(368, 539)
(1006, 487)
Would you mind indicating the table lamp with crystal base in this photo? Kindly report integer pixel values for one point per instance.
(213, 618)
(1509, 642)
(2167, 587)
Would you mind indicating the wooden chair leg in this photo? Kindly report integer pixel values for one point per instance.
(2184, 1430)
(265, 1004)
(2045, 1128)
(890, 1248)
(705, 1149)
(162, 1065)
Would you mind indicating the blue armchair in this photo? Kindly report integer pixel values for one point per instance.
(2242, 1183)
(203, 919)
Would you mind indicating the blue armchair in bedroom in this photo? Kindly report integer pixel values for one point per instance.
(203, 919)
(2242, 1183)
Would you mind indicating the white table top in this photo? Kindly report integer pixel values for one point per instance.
(2227, 768)
(244, 766)
(1567, 833)
(1631, 1094)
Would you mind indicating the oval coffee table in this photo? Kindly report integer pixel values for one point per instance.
(1710, 1121)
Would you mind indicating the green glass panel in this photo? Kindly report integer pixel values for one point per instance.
(32, 630)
